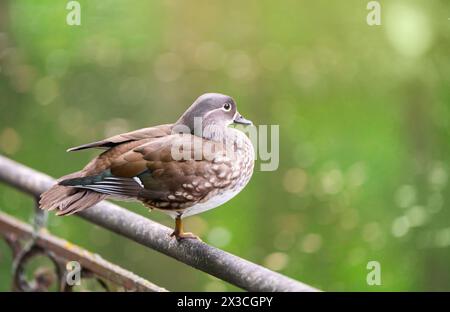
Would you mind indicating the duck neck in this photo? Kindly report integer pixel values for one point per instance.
(210, 131)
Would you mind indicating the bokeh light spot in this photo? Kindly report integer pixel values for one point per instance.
(416, 215)
(332, 181)
(46, 90)
(400, 226)
(408, 29)
(295, 180)
(10, 141)
(219, 236)
(405, 196)
(276, 261)
(311, 243)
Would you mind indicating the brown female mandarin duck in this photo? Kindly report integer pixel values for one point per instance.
(182, 169)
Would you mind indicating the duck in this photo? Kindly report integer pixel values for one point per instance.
(181, 169)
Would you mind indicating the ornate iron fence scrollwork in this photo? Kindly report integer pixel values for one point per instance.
(26, 245)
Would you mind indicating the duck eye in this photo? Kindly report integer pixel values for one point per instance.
(227, 107)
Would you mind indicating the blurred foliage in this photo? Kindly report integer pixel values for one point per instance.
(363, 114)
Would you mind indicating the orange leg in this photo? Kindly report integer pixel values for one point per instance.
(178, 231)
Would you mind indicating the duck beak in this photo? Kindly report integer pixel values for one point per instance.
(241, 120)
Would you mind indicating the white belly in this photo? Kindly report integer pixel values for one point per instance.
(211, 203)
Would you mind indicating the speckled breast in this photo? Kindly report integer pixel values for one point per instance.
(214, 181)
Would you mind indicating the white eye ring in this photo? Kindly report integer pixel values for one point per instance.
(226, 107)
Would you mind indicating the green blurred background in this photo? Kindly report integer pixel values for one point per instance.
(363, 114)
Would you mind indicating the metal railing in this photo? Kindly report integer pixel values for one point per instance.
(228, 267)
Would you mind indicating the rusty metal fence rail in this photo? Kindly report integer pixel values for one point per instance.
(228, 267)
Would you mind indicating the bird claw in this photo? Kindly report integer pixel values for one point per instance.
(185, 235)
